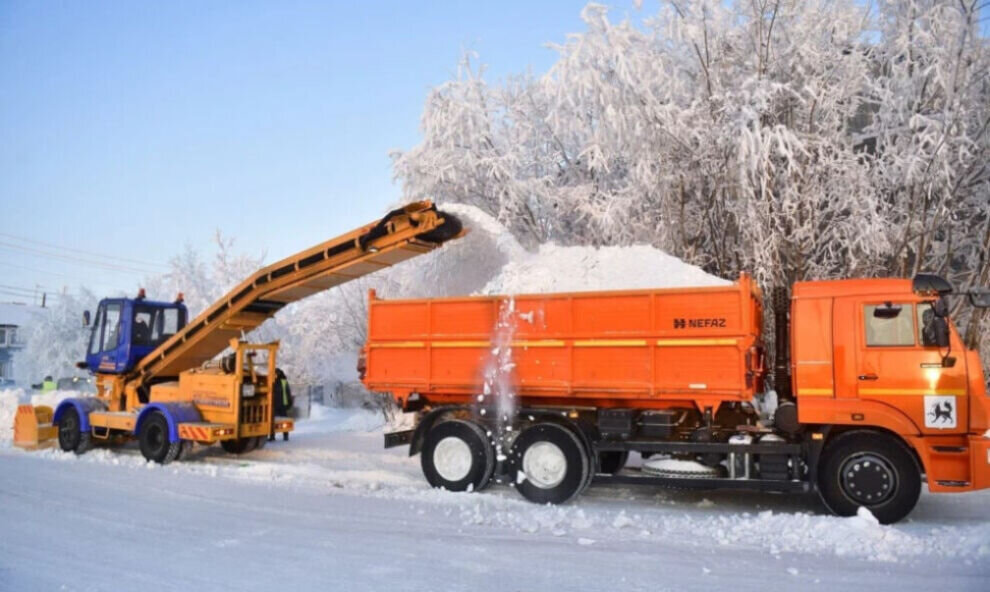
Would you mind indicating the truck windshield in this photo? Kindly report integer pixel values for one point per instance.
(153, 325)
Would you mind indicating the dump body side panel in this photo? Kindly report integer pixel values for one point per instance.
(593, 348)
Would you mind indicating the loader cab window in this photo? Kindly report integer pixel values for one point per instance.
(111, 327)
(95, 338)
(153, 325)
(889, 325)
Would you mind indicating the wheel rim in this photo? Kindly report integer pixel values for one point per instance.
(544, 465)
(868, 479)
(452, 458)
(155, 437)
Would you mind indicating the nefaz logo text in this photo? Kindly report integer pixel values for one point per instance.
(699, 323)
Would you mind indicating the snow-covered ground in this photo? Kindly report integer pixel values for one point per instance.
(331, 510)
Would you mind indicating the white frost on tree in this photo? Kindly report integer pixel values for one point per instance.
(792, 139)
(56, 339)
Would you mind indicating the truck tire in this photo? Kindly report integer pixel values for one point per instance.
(457, 456)
(154, 440)
(611, 462)
(549, 464)
(869, 469)
(70, 434)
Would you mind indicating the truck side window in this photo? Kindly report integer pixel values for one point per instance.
(893, 331)
(141, 331)
(171, 322)
(95, 340)
(112, 328)
(926, 325)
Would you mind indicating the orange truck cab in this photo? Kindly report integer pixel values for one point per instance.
(866, 355)
(549, 393)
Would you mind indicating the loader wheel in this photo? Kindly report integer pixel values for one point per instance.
(549, 464)
(457, 456)
(70, 435)
(154, 440)
(612, 461)
(872, 470)
(238, 445)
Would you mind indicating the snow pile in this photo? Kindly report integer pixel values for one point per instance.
(489, 260)
(574, 269)
(462, 266)
(11, 398)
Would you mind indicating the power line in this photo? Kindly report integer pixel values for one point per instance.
(80, 281)
(106, 266)
(85, 252)
(31, 297)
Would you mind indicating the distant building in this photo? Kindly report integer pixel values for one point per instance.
(14, 319)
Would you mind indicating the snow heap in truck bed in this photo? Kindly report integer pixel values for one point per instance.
(489, 260)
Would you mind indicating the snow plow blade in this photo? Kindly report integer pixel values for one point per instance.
(33, 427)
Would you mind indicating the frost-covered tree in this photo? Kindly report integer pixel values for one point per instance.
(793, 139)
(56, 339)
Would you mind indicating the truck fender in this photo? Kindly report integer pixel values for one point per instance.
(83, 406)
(419, 435)
(175, 413)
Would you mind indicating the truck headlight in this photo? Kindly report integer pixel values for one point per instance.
(247, 390)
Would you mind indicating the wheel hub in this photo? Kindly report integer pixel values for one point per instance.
(452, 458)
(868, 479)
(544, 464)
(155, 437)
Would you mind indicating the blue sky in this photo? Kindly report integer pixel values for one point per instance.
(128, 129)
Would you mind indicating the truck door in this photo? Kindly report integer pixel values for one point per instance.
(895, 366)
(107, 346)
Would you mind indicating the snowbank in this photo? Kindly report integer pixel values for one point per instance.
(11, 398)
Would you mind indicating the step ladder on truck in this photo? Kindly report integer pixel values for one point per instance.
(158, 378)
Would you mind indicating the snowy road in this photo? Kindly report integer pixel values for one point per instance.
(331, 511)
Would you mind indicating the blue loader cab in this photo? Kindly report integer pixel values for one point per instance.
(127, 329)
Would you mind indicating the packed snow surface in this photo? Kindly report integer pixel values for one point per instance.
(329, 509)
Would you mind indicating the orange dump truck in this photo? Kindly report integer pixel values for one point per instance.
(551, 392)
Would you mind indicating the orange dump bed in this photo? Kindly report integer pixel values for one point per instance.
(631, 348)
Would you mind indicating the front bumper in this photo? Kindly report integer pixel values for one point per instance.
(954, 463)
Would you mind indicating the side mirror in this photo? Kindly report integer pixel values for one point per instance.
(887, 311)
(941, 308)
(86, 318)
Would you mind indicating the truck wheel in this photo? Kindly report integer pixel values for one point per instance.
(154, 440)
(872, 470)
(457, 456)
(70, 435)
(549, 464)
(612, 461)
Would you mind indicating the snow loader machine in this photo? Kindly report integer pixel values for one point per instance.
(158, 376)
(877, 392)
